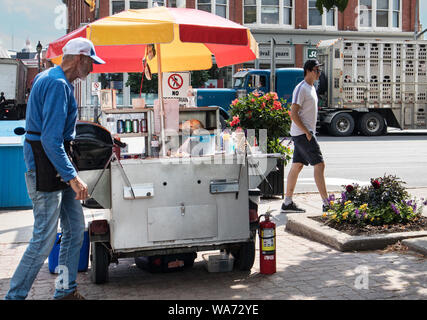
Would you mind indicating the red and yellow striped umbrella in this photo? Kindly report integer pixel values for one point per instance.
(185, 38)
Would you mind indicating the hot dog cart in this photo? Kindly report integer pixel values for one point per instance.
(168, 205)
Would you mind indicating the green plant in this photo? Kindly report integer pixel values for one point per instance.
(256, 111)
(384, 201)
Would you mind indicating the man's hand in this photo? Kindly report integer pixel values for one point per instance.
(79, 187)
(309, 136)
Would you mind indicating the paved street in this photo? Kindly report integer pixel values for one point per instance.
(359, 158)
(305, 270)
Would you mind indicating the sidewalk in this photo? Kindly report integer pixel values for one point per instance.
(305, 269)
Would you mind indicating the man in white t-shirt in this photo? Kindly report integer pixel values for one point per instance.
(303, 129)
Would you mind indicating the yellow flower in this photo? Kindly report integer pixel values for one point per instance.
(347, 202)
(344, 215)
(331, 203)
(372, 219)
(324, 215)
(334, 216)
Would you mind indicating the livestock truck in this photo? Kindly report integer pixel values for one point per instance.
(13, 75)
(369, 85)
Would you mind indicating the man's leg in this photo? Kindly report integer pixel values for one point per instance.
(72, 227)
(46, 214)
(319, 178)
(288, 205)
(292, 178)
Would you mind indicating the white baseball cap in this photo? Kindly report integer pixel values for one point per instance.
(83, 46)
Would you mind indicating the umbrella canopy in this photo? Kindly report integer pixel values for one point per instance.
(188, 38)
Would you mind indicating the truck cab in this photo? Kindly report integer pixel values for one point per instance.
(246, 81)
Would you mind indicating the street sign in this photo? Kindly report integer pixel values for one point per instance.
(312, 53)
(96, 87)
(175, 85)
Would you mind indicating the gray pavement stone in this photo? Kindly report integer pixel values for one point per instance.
(305, 270)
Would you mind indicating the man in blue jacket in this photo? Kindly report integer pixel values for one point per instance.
(52, 181)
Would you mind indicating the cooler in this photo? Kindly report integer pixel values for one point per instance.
(84, 254)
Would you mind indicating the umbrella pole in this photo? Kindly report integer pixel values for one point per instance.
(162, 110)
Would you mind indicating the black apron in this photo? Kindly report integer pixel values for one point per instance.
(47, 177)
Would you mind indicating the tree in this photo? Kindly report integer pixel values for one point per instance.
(328, 4)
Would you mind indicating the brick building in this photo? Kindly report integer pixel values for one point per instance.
(296, 26)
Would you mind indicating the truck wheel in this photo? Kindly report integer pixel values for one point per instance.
(372, 124)
(342, 125)
(100, 260)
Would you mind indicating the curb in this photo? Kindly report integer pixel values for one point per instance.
(419, 245)
(301, 225)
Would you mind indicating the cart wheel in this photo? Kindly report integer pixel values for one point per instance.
(244, 256)
(100, 259)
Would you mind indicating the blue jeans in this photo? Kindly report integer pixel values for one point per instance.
(48, 207)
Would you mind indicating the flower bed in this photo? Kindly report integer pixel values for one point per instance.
(385, 202)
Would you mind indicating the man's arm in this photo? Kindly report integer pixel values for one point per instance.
(54, 117)
(297, 120)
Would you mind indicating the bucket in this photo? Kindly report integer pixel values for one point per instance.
(84, 254)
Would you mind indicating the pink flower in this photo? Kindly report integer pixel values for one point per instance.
(263, 105)
(277, 105)
(274, 95)
(235, 121)
(253, 100)
(235, 101)
(256, 94)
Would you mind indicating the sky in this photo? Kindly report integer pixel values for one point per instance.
(44, 21)
(37, 20)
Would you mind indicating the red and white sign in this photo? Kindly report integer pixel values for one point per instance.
(175, 85)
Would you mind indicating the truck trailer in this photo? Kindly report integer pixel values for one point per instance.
(13, 76)
(369, 85)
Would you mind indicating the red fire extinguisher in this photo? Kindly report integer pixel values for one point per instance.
(267, 244)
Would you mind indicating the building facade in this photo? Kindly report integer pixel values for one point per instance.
(295, 26)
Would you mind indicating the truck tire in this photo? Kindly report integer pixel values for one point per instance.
(342, 125)
(371, 124)
(100, 260)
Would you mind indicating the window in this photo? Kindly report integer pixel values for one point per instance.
(268, 12)
(326, 20)
(287, 12)
(380, 14)
(138, 5)
(218, 7)
(249, 8)
(365, 15)
(176, 3)
(118, 6)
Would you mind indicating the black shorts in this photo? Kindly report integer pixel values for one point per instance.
(306, 152)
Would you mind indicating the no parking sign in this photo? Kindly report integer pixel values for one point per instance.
(175, 85)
